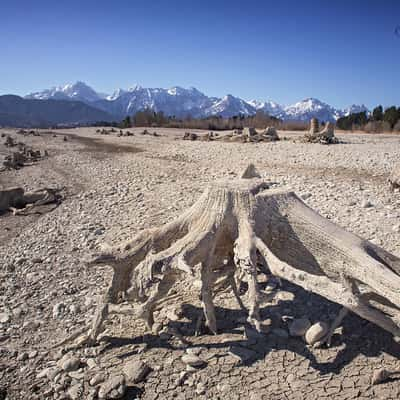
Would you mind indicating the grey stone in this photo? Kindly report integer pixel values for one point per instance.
(98, 378)
(69, 363)
(5, 317)
(135, 371)
(316, 332)
(75, 392)
(192, 360)
(113, 388)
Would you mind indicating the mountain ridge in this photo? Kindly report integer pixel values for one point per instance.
(16, 111)
(181, 102)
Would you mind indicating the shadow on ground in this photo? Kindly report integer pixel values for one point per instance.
(358, 336)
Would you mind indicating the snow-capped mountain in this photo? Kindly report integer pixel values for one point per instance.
(310, 108)
(354, 109)
(229, 106)
(174, 101)
(77, 91)
(269, 107)
(182, 102)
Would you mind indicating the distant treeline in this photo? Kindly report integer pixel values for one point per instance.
(149, 118)
(378, 121)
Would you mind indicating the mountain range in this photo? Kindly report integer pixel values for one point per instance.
(19, 112)
(182, 102)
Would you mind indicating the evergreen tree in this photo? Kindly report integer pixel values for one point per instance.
(391, 115)
(377, 113)
(126, 122)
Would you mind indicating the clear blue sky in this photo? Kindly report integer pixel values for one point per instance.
(341, 52)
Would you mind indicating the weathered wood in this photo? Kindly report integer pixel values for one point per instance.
(227, 231)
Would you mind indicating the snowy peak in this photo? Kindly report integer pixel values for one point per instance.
(72, 91)
(310, 108)
(229, 106)
(268, 107)
(354, 109)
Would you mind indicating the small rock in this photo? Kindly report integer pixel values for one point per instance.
(69, 363)
(32, 354)
(201, 388)
(91, 363)
(22, 356)
(78, 375)
(366, 204)
(380, 376)
(316, 332)
(75, 392)
(4, 318)
(192, 360)
(283, 295)
(98, 378)
(182, 378)
(74, 309)
(135, 371)
(113, 388)
(58, 310)
(299, 326)
(194, 350)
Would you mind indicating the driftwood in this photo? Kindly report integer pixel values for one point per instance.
(20, 202)
(249, 135)
(237, 230)
(245, 135)
(326, 136)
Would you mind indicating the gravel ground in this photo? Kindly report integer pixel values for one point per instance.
(115, 186)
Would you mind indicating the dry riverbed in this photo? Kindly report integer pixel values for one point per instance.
(112, 188)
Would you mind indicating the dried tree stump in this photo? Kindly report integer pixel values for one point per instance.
(225, 234)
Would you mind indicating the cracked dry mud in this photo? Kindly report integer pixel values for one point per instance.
(117, 186)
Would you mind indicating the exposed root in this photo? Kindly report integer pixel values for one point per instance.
(239, 229)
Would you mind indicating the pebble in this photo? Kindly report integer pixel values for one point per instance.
(98, 378)
(58, 310)
(316, 332)
(284, 295)
(69, 363)
(75, 392)
(5, 317)
(200, 388)
(192, 360)
(366, 204)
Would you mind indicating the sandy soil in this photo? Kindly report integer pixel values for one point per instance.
(115, 186)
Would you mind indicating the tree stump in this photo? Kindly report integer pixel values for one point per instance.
(234, 228)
